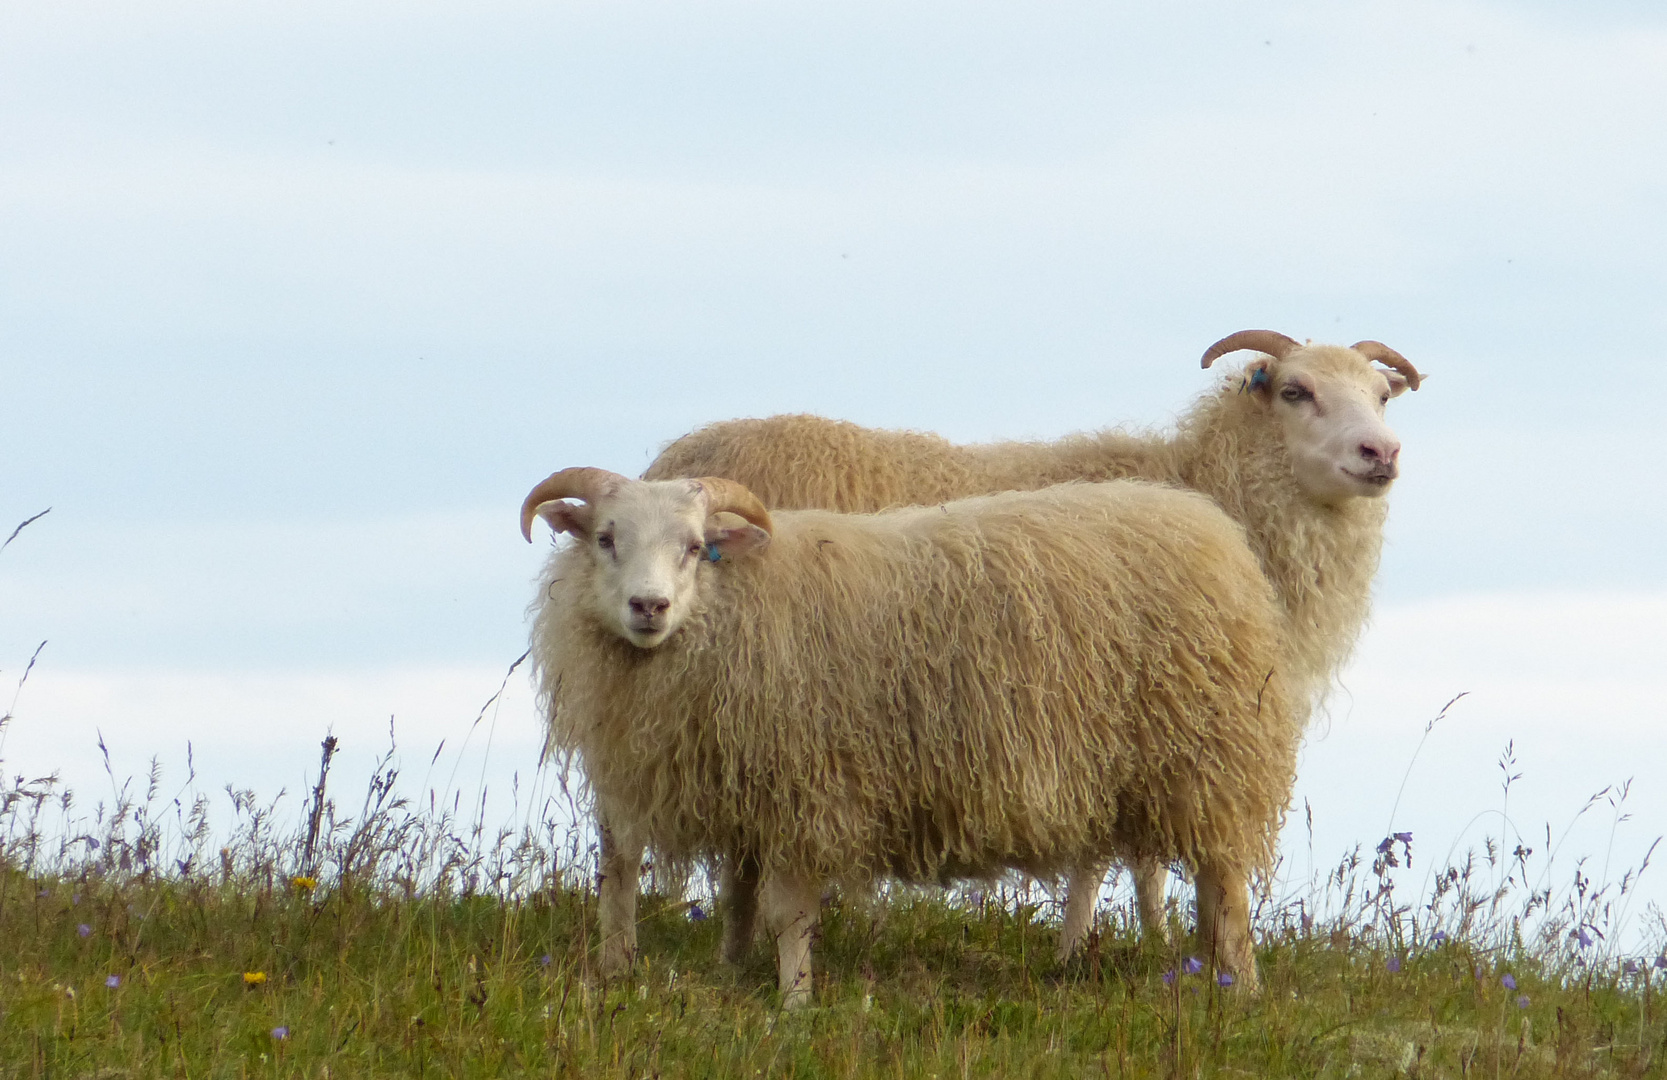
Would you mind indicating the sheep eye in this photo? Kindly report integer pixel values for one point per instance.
(696, 549)
(605, 541)
(1295, 393)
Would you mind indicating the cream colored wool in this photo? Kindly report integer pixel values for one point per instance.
(1320, 558)
(1034, 681)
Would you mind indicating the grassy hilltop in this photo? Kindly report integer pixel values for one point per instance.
(403, 942)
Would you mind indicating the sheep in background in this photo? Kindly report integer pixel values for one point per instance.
(1293, 446)
(1032, 681)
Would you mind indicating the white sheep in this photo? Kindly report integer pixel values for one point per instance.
(1032, 681)
(1293, 446)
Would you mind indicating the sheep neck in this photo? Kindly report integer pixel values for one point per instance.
(1320, 559)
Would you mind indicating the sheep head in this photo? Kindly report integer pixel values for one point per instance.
(646, 542)
(1329, 402)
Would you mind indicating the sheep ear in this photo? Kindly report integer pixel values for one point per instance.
(566, 517)
(1397, 382)
(732, 541)
(1258, 378)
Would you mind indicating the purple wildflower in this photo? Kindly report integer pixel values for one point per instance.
(1394, 964)
(696, 913)
(1224, 979)
(1583, 937)
(280, 1032)
(1169, 977)
(544, 961)
(84, 930)
(1630, 967)
(1661, 961)
(1522, 1002)
(113, 981)
(1404, 837)
(1508, 982)
(1192, 965)
(1439, 936)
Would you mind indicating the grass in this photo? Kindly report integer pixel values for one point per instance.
(364, 985)
(392, 938)
(401, 941)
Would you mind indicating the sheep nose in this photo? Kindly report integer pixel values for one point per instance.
(649, 606)
(1381, 451)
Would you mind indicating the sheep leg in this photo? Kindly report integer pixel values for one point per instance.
(793, 908)
(1150, 878)
(738, 900)
(1224, 923)
(616, 889)
(1082, 889)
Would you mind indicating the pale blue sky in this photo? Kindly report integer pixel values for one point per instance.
(296, 301)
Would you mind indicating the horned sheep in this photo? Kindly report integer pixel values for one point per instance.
(1293, 446)
(1032, 681)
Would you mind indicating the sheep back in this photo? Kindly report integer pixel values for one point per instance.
(805, 462)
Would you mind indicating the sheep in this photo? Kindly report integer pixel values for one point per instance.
(1293, 446)
(1030, 681)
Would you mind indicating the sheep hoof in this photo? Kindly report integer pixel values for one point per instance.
(616, 960)
(1241, 980)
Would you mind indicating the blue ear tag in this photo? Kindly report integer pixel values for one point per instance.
(1259, 377)
(712, 553)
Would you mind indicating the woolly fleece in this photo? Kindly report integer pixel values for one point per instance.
(1032, 680)
(1320, 559)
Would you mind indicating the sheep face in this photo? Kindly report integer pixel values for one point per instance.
(645, 543)
(1329, 401)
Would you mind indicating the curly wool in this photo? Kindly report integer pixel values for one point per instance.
(1320, 559)
(1030, 681)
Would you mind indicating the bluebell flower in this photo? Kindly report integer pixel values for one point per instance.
(544, 961)
(1508, 982)
(1439, 936)
(1583, 937)
(280, 1032)
(1522, 1002)
(1394, 964)
(1224, 979)
(696, 913)
(113, 981)
(84, 930)
(1192, 965)
(1169, 977)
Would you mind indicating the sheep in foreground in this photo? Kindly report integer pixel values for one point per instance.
(1032, 681)
(1293, 446)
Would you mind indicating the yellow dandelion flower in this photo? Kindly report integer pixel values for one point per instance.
(253, 978)
(306, 883)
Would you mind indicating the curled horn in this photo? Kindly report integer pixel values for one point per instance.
(1383, 354)
(726, 496)
(1271, 342)
(582, 483)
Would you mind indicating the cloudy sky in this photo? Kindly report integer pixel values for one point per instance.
(297, 301)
